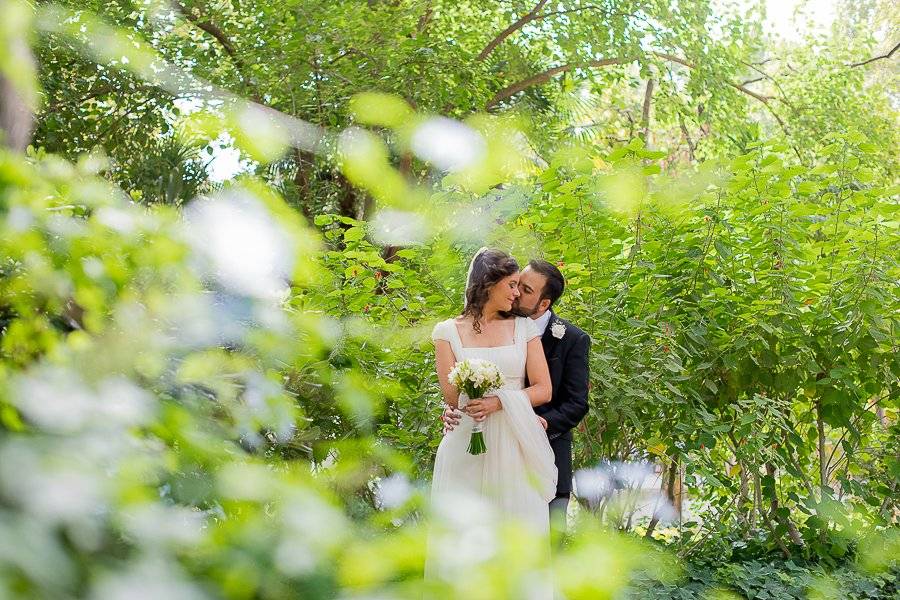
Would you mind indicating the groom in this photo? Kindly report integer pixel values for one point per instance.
(566, 348)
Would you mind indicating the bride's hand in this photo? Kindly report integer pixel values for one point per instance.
(481, 408)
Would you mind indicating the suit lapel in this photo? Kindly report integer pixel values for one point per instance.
(547, 340)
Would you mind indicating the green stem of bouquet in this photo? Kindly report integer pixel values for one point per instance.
(476, 442)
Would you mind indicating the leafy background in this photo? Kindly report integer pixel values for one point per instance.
(175, 419)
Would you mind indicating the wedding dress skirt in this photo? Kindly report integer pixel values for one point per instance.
(516, 477)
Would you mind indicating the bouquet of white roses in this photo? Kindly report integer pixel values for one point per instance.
(476, 377)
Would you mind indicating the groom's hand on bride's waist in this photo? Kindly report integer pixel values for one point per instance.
(481, 408)
(450, 418)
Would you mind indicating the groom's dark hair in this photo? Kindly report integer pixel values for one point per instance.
(556, 283)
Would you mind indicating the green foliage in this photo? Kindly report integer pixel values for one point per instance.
(773, 580)
(209, 401)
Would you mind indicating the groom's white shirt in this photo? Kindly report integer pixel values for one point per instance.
(542, 322)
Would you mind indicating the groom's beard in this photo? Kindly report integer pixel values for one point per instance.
(523, 311)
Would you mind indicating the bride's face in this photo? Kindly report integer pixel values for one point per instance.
(504, 293)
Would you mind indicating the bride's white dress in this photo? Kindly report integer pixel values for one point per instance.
(517, 474)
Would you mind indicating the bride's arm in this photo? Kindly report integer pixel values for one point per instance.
(444, 361)
(541, 389)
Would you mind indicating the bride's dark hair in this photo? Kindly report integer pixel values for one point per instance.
(488, 268)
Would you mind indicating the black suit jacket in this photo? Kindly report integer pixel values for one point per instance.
(567, 358)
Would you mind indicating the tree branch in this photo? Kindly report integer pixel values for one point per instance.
(549, 74)
(888, 55)
(521, 22)
(687, 135)
(545, 76)
(195, 17)
(690, 65)
(424, 20)
(645, 113)
(573, 10)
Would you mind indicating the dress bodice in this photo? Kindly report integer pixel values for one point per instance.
(510, 358)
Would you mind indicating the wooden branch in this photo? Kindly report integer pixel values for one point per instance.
(545, 76)
(690, 65)
(687, 136)
(883, 56)
(521, 22)
(216, 32)
(424, 20)
(210, 28)
(549, 74)
(103, 89)
(645, 113)
(574, 10)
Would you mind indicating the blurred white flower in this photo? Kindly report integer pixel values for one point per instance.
(240, 244)
(293, 556)
(36, 549)
(54, 399)
(265, 404)
(123, 403)
(148, 580)
(49, 484)
(156, 524)
(632, 474)
(661, 508)
(117, 218)
(447, 144)
(246, 482)
(93, 267)
(392, 492)
(306, 515)
(392, 227)
(19, 218)
(57, 400)
(464, 532)
(475, 545)
(592, 484)
(357, 144)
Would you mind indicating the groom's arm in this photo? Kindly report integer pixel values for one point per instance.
(568, 414)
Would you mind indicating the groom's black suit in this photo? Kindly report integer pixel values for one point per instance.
(567, 358)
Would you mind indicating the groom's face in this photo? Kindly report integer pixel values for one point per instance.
(531, 289)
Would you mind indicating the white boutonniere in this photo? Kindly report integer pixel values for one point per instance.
(558, 329)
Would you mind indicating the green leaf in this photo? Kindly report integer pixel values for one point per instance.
(354, 234)
(722, 249)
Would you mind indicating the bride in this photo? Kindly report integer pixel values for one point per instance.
(517, 474)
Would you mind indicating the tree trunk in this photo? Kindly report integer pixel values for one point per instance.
(302, 179)
(670, 478)
(823, 465)
(17, 105)
(785, 521)
(645, 112)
